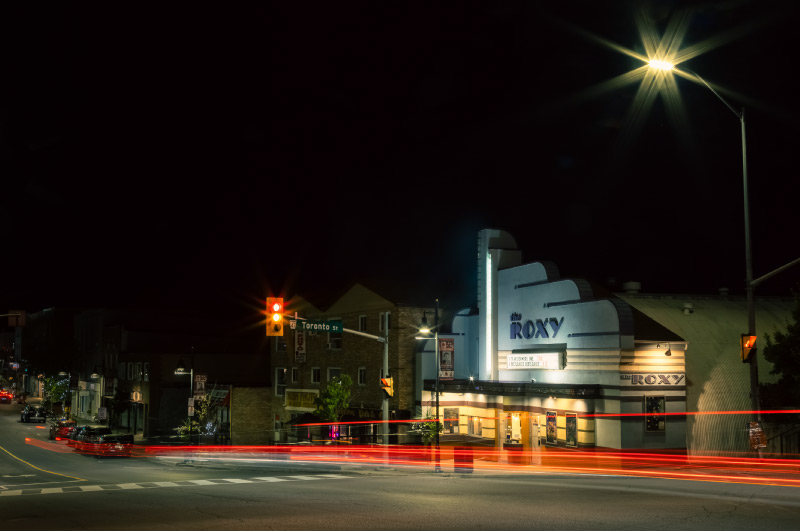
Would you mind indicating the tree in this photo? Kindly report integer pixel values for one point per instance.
(783, 351)
(335, 399)
(428, 428)
(55, 389)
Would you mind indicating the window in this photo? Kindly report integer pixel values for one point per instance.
(280, 344)
(131, 370)
(122, 371)
(385, 321)
(654, 410)
(139, 374)
(362, 376)
(280, 381)
(362, 323)
(315, 375)
(334, 372)
(146, 371)
(334, 341)
(295, 373)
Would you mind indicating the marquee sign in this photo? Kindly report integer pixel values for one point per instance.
(548, 360)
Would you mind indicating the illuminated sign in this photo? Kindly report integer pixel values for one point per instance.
(532, 329)
(651, 379)
(548, 360)
(300, 399)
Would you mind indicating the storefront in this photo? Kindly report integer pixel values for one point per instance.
(545, 361)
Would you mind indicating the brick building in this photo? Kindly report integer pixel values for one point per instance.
(299, 377)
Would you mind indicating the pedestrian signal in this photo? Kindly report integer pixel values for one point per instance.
(388, 386)
(748, 343)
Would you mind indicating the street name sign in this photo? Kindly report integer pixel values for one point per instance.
(320, 326)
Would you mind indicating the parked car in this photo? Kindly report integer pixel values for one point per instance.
(6, 396)
(33, 413)
(60, 429)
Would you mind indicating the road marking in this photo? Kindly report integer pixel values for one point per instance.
(163, 484)
(37, 468)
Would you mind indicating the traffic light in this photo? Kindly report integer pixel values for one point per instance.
(387, 384)
(274, 316)
(748, 343)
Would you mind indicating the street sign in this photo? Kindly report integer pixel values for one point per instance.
(102, 413)
(191, 411)
(321, 326)
(191, 402)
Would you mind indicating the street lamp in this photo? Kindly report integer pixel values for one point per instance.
(426, 330)
(667, 66)
(181, 370)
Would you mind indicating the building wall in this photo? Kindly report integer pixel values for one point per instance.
(250, 412)
(717, 380)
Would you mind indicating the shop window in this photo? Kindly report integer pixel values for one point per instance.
(315, 375)
(362, 376)
(146, 368)
(475, 426)
(139, 374)
(654, 413)
(450, 422)
(280, 381)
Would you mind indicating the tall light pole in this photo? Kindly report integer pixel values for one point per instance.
(755, 401)
(425, 329)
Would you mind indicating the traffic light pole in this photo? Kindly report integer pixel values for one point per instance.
(385, 406)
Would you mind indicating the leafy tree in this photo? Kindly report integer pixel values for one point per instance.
(335, 399)
(55, 390)
(783, 351)
(202, 421)
(428, 428)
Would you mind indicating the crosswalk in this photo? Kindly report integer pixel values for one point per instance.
(163, 484)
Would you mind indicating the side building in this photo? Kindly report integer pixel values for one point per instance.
(304, 362)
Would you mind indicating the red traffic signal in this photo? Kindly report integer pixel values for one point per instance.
(748, 343)
(274, 316)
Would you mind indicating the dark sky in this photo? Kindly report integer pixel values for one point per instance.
(210, 157)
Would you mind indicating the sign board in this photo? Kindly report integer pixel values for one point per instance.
(200, 377)
(446, 358)
(334, 327)
(191, 402)
(758, 438)
(549, 360)
(102, 413)
(191, 411)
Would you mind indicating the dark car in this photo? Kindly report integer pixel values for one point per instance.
(32, 413)
(107, 445)
(82, 434)
(60, 429)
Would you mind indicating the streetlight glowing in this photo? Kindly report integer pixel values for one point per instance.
(660, 64)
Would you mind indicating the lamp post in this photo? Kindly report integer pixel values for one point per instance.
(425, 329)
(181, 370)
(755, 401)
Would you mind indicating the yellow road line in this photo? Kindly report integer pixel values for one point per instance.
(40, 469)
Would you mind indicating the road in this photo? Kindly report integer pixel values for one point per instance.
(44, 487)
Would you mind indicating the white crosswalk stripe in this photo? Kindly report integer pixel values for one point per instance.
(162, 484)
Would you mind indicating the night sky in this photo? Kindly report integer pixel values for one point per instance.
(209, 157)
